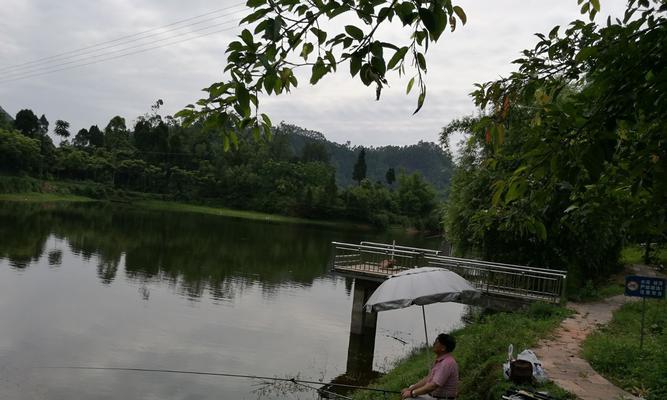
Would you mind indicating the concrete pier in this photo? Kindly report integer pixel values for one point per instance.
(361, 321)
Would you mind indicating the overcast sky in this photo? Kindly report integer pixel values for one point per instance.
(341, 108)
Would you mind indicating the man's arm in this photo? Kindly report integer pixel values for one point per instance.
(423, 388)
(421, 383)
(407, 392)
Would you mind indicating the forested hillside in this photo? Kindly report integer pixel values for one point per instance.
(427, 158)
(297, 172)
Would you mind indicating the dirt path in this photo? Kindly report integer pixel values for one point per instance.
(561, 355)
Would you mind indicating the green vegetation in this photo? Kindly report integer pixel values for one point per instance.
(613, 350)
(480, 352)
(635, 255)
(567, 160)
(42, 197)
(290, 175)
(289, 34)
(596, 290)
(34, 190)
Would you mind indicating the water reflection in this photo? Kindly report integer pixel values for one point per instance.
(198, 253)
(105, 285)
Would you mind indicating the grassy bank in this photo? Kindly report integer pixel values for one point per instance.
(613, 350)
(26, 189)
(42, 197)
(634, 254)
(480, 352)
(251, 215)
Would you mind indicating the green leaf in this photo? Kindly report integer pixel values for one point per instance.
(440, 23)
(307, 49)
(266, 119)
(255, 3)
(586, 53)
(355, 64)
(596, 5)
(183, 114)
(269, 82)
(376, 49)
(247, 37)
(571, 208)
(332, 59)
(354, 32)
(428, 19)
(390, 46)
(321, 35)
(366, 74)
(499, 188)
(554, 32)
(379, 65)
(421, 61)
(318, 71)
(255, 132)
(255, 16)
(405, 12)
(243, 100)
(384, 13)
(397, 57)
(234, 139)
(420, 102)
(462, 15)
(410, 84)
(513, 192)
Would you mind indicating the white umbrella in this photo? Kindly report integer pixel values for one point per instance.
(421, 286)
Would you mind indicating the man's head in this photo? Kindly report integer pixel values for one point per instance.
(444, 343)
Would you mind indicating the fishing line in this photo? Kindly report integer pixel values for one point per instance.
(225, 374)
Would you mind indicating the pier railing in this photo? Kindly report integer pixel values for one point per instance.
(373, 261)
(379, 261)
(498, 279)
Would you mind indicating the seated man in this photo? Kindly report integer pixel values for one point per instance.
(443, 380)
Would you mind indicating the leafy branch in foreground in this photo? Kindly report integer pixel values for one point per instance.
(283, 35)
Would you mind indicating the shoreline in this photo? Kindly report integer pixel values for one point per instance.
(175, 206)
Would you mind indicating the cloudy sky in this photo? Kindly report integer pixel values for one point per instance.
(104, 82)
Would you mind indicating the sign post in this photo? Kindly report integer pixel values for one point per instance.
(644, 287)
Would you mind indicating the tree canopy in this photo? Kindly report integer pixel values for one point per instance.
(568, 157)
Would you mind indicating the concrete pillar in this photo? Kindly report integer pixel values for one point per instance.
(362, 321)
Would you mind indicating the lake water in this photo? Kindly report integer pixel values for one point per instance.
(110, 286)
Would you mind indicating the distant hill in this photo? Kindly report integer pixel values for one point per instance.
(5, 115)
(427, 158)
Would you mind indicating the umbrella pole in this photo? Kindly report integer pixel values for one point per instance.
(425, 331)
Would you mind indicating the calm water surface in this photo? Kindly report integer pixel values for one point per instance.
(110, 286)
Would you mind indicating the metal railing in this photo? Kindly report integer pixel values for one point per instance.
(381, 260)
(373, 260)
(529, 283)
(407, 248)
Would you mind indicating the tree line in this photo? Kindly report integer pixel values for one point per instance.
(195, 163)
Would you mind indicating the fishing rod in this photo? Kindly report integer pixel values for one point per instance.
(226, 374)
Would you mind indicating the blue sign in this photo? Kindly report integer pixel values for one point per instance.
(645, 286)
